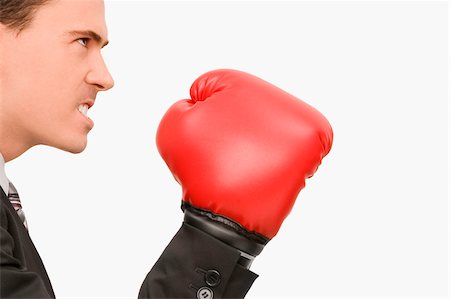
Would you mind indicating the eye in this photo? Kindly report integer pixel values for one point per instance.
(83, 41)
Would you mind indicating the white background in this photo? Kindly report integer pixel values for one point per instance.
(372, 222)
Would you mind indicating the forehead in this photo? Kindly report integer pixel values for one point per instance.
(69, 15)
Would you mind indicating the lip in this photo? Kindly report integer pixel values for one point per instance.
(87, 120)
(88, 102)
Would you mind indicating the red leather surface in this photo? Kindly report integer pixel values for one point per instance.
(242, 148)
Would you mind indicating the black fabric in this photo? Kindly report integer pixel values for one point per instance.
(22, 273)
(181, 269)
(224, 229)
(178, 273)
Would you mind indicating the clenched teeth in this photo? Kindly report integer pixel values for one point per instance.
(83, 109)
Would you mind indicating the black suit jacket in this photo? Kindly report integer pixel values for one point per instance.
(193, 265)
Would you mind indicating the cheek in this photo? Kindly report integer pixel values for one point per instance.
(50, 78)
(42, 80)
(32, 70)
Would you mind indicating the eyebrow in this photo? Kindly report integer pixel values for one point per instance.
(96, 37)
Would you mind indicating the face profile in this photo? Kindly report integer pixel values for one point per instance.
(51, 73)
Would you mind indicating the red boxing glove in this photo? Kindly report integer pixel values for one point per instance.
(241, 150)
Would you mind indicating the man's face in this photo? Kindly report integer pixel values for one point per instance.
(48, 70)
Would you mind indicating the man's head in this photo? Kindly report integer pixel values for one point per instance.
(50, 63)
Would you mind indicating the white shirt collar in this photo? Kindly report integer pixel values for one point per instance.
(4, 182)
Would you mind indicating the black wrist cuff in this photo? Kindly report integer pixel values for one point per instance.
(224, 229)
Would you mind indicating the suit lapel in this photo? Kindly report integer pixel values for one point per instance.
(25, 250)
(3, 194)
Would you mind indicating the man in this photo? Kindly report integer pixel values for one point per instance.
(50, 67)
(51, 70)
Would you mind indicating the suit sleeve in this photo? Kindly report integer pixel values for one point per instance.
(196, 265)
(16, 281)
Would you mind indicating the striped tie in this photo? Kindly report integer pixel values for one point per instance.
(15, 201)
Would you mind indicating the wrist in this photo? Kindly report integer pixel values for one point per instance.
(249, 244)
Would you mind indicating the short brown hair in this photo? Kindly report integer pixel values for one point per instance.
(18, 14)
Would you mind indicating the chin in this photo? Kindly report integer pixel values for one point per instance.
(73, 146)
(77, 148)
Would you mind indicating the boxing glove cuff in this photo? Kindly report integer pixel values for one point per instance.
(224, 229)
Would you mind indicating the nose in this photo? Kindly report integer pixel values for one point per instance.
(99, 74)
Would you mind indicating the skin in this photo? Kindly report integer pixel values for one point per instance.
(47, 72)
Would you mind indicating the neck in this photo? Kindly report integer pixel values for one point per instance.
(12, 144)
